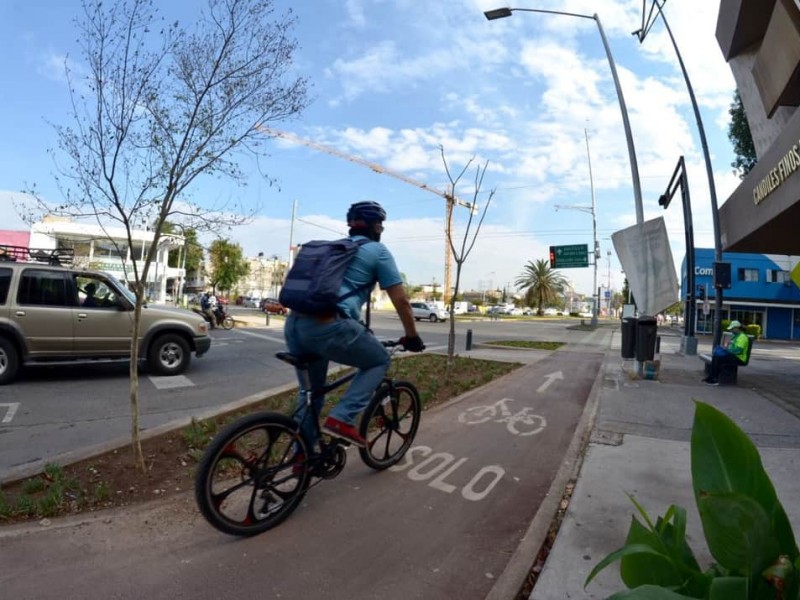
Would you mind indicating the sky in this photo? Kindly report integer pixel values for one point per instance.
(529, 97)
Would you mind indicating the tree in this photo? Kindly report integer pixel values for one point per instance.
(740, 136)
(228, 265)
(542, 284)
(460, 255)
(160, 107)
(190, 257)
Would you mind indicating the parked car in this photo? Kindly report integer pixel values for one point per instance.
(514, 312)
(428, 311)
(251, 302)
(52, 313)
(272, 306)
(551, 312)
(528, 311)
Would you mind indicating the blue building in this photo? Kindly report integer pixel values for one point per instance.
(762, 292)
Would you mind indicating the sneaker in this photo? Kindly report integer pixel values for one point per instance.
(711, 382)
(298, 463)
(339, 429)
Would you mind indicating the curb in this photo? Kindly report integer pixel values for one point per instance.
(68, 458)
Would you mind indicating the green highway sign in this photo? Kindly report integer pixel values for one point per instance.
(567, 257)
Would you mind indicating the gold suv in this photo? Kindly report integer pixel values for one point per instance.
(51, 313)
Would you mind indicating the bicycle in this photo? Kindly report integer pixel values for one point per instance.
(257, 470)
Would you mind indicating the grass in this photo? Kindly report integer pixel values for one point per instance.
(110, 480)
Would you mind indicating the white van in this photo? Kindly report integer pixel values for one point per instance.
(460, 308)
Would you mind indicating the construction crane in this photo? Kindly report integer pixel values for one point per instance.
(450, 200)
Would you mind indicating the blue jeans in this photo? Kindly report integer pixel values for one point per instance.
(346, 342)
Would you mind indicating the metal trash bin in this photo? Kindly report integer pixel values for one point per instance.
(628, 349)
(646, 334)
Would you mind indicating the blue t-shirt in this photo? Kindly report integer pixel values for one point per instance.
(373, 262)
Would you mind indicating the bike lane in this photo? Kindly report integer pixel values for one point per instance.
(441, 524)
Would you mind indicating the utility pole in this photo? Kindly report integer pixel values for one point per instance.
(596, 247)
(608, 256)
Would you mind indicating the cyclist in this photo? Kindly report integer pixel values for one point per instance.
(342, 337)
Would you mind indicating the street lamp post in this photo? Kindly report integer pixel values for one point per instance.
(641, 34)
(596, 248)
(500, 13)
(591, 210)
(261, 267)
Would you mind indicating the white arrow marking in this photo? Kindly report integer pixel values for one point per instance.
(10, 411)
(550, 378)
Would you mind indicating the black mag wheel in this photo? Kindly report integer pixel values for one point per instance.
(389, 424)
(253, 474)
(227, 322)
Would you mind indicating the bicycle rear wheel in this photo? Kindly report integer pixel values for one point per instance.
(227, 323)
(389, 424)
(253, 474)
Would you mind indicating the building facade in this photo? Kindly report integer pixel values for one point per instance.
(762, 292)
(760, 39)
(107, 249)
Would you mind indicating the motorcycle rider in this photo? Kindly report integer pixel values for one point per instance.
(205, 306)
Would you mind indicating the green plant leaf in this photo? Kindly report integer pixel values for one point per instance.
(627, 550)
(738, 532)
(650, 592)
(724, 460)
(728, 588)
(656, 568)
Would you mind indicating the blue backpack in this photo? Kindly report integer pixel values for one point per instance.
(313, 283)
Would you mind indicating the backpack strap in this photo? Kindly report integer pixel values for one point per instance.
(361, 287)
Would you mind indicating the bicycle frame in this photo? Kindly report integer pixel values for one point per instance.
(310, 394)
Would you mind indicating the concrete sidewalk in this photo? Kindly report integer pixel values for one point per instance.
(640, 446)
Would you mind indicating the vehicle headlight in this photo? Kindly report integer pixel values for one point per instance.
(202, 327)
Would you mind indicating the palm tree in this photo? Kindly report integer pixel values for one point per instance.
(542, 284)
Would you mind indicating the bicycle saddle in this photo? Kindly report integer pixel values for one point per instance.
(297, 360)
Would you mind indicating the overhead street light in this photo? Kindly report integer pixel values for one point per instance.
(499, 13)
(641, 34)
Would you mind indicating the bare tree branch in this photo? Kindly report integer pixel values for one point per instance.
(162, 107)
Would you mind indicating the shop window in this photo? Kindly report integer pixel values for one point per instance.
(108, 249)
(777, 276)
(748, 274)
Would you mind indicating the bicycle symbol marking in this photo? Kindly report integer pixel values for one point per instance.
(523, 422)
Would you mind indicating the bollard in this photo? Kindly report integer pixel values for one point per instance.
(469, 339)
(266, 312)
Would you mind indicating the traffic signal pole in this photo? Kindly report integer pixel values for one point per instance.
(679, 179)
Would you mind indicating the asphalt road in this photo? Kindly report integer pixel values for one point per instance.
(442, 524)
(51, 411)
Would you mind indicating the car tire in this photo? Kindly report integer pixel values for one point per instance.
(9, 361)
(169, 354)
(433, 318)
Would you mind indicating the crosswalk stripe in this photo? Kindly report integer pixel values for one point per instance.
(170, 382)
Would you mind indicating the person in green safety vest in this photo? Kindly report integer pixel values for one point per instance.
(735, 353)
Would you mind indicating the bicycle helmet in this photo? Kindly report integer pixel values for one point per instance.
(367, 211)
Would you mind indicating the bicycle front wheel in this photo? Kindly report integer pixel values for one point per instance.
(227, 323)
(389, 424)
(253, 474)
